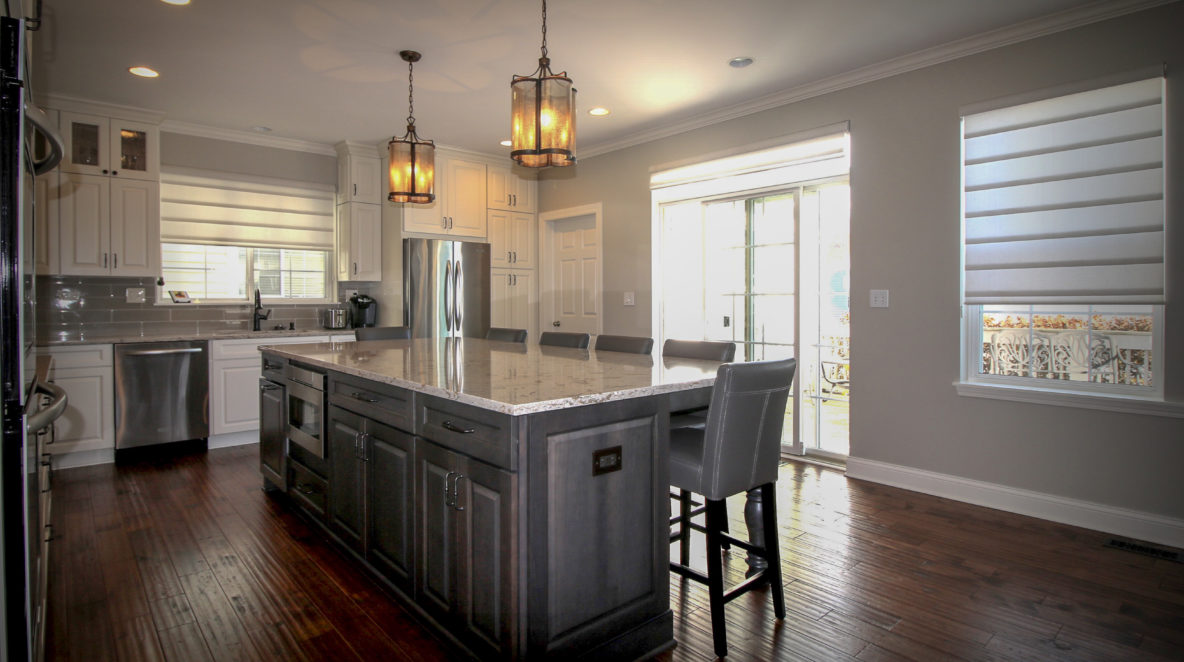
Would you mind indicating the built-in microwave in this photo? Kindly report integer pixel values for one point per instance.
(306, 408)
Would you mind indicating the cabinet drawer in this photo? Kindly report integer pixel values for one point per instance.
(387, 404)
(485, 435)
(307, 488)
(241, 348)
(78, 356)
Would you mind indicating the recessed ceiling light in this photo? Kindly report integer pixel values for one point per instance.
(505, 143)
(599, 111)
(175, 2)
(261, 129)
(144, 72)
(739, 62)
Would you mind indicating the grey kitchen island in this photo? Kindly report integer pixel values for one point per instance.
(515, 495)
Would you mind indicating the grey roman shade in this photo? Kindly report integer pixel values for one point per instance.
(223, 209)
(1063, 199)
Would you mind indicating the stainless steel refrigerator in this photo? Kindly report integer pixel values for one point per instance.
(445, 288)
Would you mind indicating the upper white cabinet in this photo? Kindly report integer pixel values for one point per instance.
(359, 242)
(511, 239)
(506, 190)
(459, 207)
(359, 176)
(109, 146)
(108, 226)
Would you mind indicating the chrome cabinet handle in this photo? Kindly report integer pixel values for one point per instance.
(269, 387)
(104, 260)
(456, 492)
(448, 489)
(115, 260)
(360, 396)
(449, 425)
(355, 268)
(305, 489)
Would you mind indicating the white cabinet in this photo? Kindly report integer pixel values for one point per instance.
(506, 190)
(108, 226)
(513, 299)
(359, 242)
(511, 239)
(87, 375)
(459, 207)
(109, 146)
(234, 381)
(359, 176)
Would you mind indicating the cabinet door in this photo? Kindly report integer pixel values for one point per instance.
(347, 477)
(84, 217)
(88, 422)
(134, 151)
(390, 483)
(366, 176)
(366, 242)
(135, 228)
(86, 144)
(522, 237)
(233, 407)
(523, 194)
(465, 202)
(522, 300)
(498, 187)
(273, 462)
(435, 586)
(501, 312)
(342, 240)
(498, 233)
(427, 218)
(486, 548)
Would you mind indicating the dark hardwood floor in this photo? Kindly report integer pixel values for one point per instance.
(187, 559)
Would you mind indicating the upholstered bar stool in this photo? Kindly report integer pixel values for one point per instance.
(627, 344)
(564, 339)
(737, 450)
(382, 333)
(505, 335)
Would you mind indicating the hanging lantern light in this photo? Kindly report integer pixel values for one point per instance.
(543, 115)
(412, 160)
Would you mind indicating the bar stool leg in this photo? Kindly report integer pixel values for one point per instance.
(715, 577)
(684, 527)
(772, 546)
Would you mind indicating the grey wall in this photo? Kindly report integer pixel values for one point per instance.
(227, 156)
(905, 238)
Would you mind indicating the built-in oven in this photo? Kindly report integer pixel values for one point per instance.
(306, 408)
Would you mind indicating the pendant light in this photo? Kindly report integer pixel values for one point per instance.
(543, 115)
(412, 160)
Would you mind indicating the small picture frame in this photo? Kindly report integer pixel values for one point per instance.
(179, 296)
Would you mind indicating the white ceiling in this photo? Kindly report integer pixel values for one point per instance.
(328, 70)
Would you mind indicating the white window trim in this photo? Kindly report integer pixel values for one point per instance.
(163, 298)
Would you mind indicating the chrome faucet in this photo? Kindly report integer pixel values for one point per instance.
(259, 313)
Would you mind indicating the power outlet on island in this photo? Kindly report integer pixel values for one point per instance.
(630, 299)
(879, 298)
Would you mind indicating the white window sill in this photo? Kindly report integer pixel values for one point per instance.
(1118, 403)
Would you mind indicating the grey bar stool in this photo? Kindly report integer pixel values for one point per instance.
(736, 451)
(700, 349)
(629, 344)
(564, 339)
(505, 335)
(382, 333)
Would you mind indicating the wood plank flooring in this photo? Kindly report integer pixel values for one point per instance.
(187, 559)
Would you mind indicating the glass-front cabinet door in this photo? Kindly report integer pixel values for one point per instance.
(97, 145)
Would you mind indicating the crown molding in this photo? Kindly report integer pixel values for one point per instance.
(1012, 34)
(248, 137)
(86, 106)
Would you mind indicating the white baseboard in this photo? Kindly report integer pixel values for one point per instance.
(234, 439)
(1098, 517)
(83, 458)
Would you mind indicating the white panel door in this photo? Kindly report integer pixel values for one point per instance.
(135, 228)
(88, 422)
(366, 242)
(498, 235)
(501, 311)
(521, 241)
(234, 396)
(465, 205)
(84, 211)
(575, 279)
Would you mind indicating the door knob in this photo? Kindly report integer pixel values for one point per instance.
(555, 323)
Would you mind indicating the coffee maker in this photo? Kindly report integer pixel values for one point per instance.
(363, 310)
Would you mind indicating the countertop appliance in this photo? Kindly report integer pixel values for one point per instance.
(162, 393)
(363, 310)
(334, 318)
(446, 288)
(30, 404)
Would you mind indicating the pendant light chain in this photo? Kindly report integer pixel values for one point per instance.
(411, 93)
(544, 29)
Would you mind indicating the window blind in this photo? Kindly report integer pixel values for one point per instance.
(221, 209)
(1063, 199)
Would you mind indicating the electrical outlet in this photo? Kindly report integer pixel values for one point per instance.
(630, 299)
(879, 298)
(349, 294)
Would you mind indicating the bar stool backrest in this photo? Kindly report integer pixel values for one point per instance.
(564, 339)
(505, 335)
(630, 344)
(700, 349)
(382, 333)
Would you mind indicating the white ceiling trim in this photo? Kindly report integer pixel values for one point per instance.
(76, 105)
(247, 137)
(1066, 20)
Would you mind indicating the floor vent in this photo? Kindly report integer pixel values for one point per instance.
(1147, 549)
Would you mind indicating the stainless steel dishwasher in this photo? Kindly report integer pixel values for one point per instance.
(162, 392)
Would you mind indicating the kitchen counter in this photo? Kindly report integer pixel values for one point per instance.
(214, 335)
(509, 378)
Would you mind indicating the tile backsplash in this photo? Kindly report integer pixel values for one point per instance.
(77, 307)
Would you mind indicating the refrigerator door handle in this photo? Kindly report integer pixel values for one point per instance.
(456, 284)
(447, 286)
(49, 413)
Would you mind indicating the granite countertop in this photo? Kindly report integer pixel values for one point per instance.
(214, 335)
(510, 378)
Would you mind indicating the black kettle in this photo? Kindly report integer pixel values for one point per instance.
(363, 310)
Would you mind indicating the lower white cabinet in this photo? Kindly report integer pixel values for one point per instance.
(87, 375)
(234, 381)
(513, 299)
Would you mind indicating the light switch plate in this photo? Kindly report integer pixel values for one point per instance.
(630, 299)
(879, 298)
(134, 295)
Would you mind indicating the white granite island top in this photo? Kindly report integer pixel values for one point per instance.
(510, 378)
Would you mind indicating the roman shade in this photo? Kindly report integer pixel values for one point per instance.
(230, 210)
(1063, 199)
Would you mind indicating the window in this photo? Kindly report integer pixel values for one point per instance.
(222, 238)
(231, 273)
(1063, 251)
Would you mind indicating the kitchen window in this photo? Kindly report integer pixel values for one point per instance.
(224, 236)
(1063, 250)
